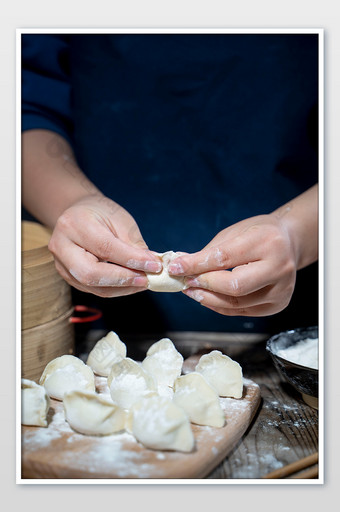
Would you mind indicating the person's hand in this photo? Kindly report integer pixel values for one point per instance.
(248, 269)
(98, 248)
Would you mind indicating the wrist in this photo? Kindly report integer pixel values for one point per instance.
(299, 218)
(289, 225)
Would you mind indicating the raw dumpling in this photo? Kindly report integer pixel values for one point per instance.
(66, 373)
(222, 373)
(166, 391)
(34, 404)
(160, 424)
(199, 400)
(163, 362)
(128, 382)
(92, 414)
(163, 282)
(163, 391)
(106, 352)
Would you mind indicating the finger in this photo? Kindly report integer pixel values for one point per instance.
(240, 251)
(218, 300)
(100, 241)
(88, 271)
(260, 310)
(239, 281)
(101, 291)
(105, 292)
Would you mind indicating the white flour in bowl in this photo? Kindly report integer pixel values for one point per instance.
(304, 352)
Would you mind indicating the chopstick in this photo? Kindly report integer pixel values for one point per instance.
(294, 467)
(309, 473)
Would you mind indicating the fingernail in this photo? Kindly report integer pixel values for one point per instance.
(194, 294)
(175, 269)
(153, 266)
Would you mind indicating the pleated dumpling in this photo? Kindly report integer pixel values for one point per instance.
(199, 400)
(35, 404)
(163, 362)
(164, 282)
(106, 352)
(66, 373)
(93, 414)
(158, 423)
(222, 373)
(128, 382)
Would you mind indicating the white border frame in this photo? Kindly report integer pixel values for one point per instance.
(316, 31)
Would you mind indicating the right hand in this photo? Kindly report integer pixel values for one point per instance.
(98, 248)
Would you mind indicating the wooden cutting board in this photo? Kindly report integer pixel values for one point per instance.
(58, 452)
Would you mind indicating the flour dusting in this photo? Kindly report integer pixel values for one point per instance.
(120, 455)
(305, 353)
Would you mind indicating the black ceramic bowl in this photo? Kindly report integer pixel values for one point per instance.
(303, 378)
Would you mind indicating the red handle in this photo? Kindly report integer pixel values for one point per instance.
(95, 315)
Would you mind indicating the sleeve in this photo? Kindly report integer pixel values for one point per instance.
(46, 85)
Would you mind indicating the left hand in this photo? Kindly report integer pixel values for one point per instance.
(248, 269)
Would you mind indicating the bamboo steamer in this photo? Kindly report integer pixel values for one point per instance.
(47, 331)
(45, 295)
(41, 344)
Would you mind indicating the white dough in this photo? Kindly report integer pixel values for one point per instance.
(106, 352)
(34, 404)
(166, 391)
(199, 400)
(163, 282)
(222, 373)
(128, 382)
(66, 373)
(162, 391)
(128, 420)
(92, 414)
(163, 362)
(160, 424)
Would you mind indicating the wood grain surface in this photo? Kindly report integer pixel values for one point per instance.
(58, 452)
(284, 429)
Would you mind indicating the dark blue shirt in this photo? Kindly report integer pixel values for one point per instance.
(190, 133)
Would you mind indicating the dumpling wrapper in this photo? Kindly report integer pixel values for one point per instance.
(66, 373)
(93, 414)
(163, 362)
(106, 352)
(163, 282)
(128, 382)
(35, 404)
(222, 373)
(199, 400)
(158, 423)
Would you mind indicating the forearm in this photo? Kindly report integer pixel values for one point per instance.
(51, 178)
(300, 218)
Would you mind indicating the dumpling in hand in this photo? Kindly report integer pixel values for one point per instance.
(106, 352)
(163, 282)
(34, 404)
(92, 414)
(66, 373)
(163, 362)
(222, 373)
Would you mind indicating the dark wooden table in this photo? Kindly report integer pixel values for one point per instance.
(284, 430)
